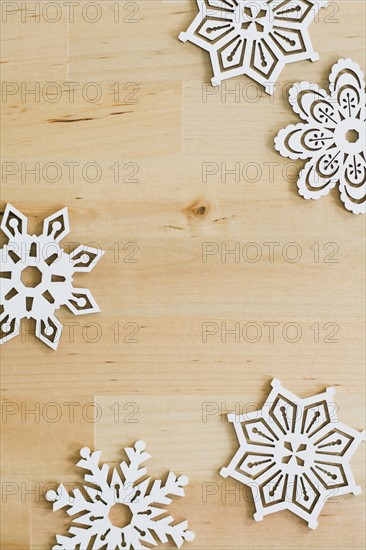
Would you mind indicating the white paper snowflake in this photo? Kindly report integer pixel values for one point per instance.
(294, 454)
(37, 274)
(332, 136)
(254, 37)
(102, 492)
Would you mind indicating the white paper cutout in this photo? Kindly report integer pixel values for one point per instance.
(53, 270)
(137, 494)
(254, 37)
(294, 454)
(332, 136)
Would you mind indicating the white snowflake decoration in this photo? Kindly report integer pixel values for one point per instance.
(332, 136)
(294, 454)
(254, 37)
(101, 492)
(51, 278)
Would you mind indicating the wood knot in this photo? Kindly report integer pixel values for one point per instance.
(198, 210)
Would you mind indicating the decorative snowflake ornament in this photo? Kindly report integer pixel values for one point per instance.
(254, 37)
(294, 454)
(36, 276)
(332, 136)
(102, 493)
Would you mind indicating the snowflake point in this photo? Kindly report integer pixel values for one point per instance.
(52, 496)
(140, 446)
(276, 383)
(189, 536)
(269, 88)
(357, 490)
(257, 516)
(313, 524)
(331, 391)
(183, 481)
(85, 452)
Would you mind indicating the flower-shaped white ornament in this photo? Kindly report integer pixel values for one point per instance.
(254, 37)
(332, 136)
(95, 521)
(37, 274)
(294, 454)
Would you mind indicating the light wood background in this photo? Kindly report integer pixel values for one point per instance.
(161, 383)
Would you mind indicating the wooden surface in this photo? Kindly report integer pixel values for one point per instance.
(165, 379)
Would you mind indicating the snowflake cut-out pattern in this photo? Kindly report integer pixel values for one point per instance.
(294, 454)
(36, 276)
(256, 38)
(101, 492)
(332, 136)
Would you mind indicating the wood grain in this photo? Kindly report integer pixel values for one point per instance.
(153, 285)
